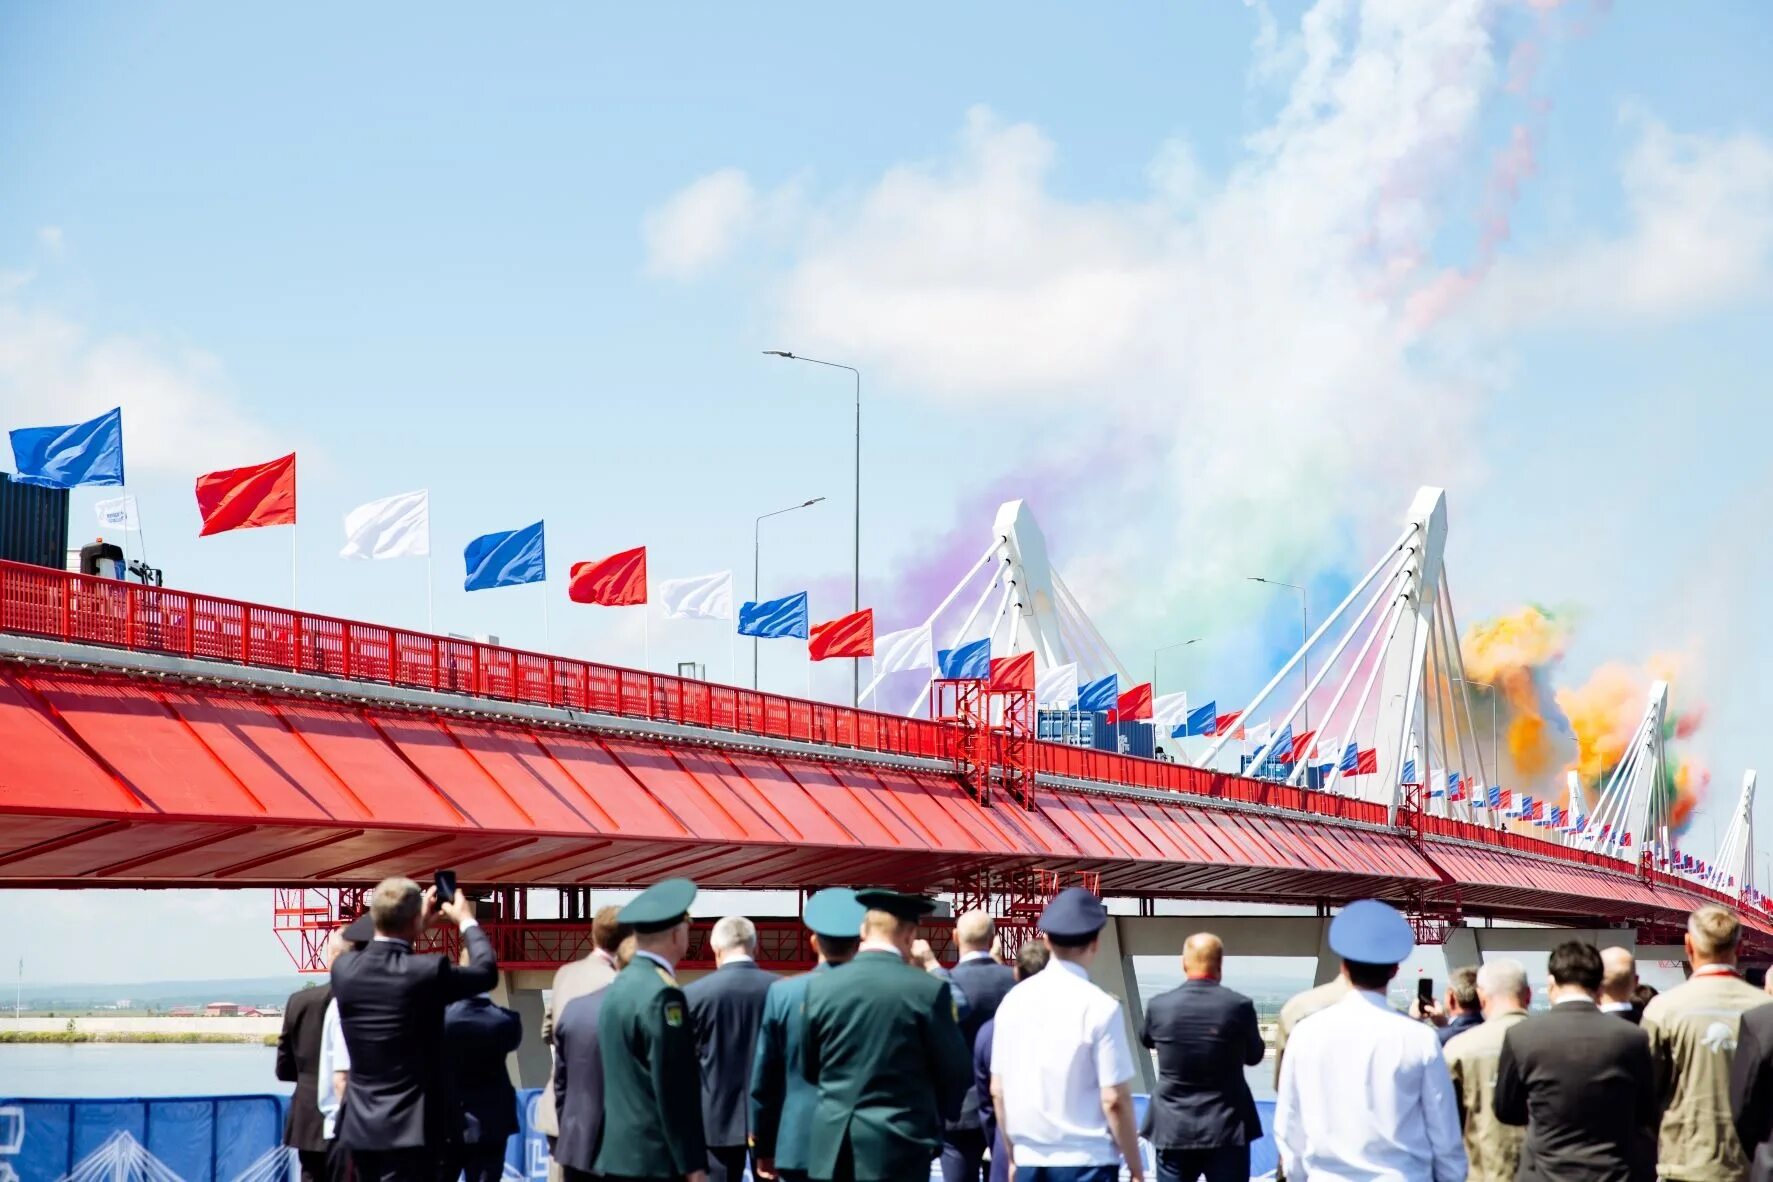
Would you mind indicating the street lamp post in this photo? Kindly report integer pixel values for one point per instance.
(1166, 648)
(756, 565)
(1305, 629)
(856, 537)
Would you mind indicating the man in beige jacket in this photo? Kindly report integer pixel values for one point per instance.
(1473, 1057)
(585, 975)
(1692, 1030)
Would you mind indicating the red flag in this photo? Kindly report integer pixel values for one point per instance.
(1367, 762)
(1228, 724)
(616, 581)
(1011, 674)
(846, 636)
(242, 498)
(1302, 746)
(1133, 705)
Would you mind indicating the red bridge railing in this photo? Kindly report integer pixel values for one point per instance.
(62, 605)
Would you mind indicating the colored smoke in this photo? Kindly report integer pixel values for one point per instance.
(1553, 727)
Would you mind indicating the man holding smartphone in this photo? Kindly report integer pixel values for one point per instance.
(391, 1002)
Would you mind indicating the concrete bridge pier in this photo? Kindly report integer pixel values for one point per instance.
(530, 1062)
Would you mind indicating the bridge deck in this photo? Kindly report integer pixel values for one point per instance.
(159, 738)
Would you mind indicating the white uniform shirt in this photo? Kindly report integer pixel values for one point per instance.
(1365, 1096)
(334, 1056)
(1059, 1041)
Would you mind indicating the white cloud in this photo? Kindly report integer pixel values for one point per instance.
(699, 226)
(178, 411)
(1700, 234)
(51, 238)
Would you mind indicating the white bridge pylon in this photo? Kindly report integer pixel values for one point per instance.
(1034, 610)
(1631, 814)
(1391, 652)
(1735, 866)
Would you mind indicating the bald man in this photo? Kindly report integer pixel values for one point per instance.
(1202, 1118)
(1619, 978)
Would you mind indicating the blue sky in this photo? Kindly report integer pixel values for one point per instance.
(1220, 283)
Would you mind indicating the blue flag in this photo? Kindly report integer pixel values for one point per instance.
(774, 618)
(1101, 694)
(1205, 720)
(1280, 748)
(506, 559)
(1351, 758)
(1409, 776)
(1495, 796)
(967, 662)
(68, 457)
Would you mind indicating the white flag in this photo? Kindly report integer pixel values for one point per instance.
(1169, 711)
(900, 652)
(699, 597)
(1057, 687)
(393, 527)
(118, 513)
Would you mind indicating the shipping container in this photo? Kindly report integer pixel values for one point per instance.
(33, 524)
(1128, 738)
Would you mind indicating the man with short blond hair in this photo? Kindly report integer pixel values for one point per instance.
(1473, 1056)
(980, 984)
(1693, 1030)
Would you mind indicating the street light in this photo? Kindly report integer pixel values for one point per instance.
(1305, 624)
(756, 555)
(856, 597)
(1166, 648)
(1495, 767)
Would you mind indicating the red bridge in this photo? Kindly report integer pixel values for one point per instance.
(160, 738)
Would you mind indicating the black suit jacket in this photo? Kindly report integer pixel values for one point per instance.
(984, 983)
(727, 1007)
(477, 1035)
(298, 1062)
(391, 1003)
(1204, 1035)
(578, 1082)
(1582, 1083)
(1751, 1091)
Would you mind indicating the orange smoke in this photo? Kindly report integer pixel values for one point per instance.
(1508, 652)
(1604, 713)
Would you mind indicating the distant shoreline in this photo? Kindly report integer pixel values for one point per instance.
(161, 1037)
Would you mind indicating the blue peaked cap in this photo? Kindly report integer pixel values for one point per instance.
(835, 913)
(1371, 932)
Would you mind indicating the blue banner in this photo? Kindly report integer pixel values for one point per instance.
(1204, 720)
(70, 456)
(508, 559)
(774, 618)
(1351, 758)
(969, 662)
(1101, 694)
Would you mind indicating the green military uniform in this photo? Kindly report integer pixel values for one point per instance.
(652, 1082)
(886, 1054)
(1474, 1061)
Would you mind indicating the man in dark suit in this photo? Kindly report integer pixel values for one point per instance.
(1581, 1081)
(1751, 1091)
(397, 1115)
(477, 1035)
(1202, 1118)
(646, 1043)
(885, 1052)
(983, 982)
(575, 979)
(726, 1007)
(1619, 983)
(782, 1102)
(577, 1087)
(298, 1062)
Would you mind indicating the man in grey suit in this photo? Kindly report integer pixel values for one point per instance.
(1581, 1081)
(727, 1008)
(586, 975)
(575, 1090)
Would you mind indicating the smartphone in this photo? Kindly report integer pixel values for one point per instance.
(1425, 991)
(445, 882)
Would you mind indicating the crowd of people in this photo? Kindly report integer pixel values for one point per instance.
(881, 1062)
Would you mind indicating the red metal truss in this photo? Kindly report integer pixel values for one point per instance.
(964, 706)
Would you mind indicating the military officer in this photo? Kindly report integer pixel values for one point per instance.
(781, 1100)
(884, 1050)
(652, 1086)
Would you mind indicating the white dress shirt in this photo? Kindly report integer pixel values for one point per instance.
(1058, 1042)
(1365, 1096)
(334, 1056)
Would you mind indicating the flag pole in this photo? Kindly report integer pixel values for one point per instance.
(292, 568)
(547, 636)
(430, 593)
(646, 640)
(732, 656)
